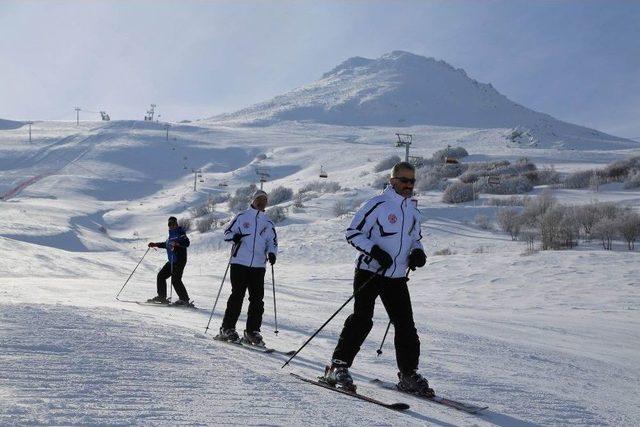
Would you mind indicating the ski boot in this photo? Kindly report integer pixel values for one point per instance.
(415, 383)
(253, 338)
(337, 375)
(183, 303)
(227, 334)
(158, 300)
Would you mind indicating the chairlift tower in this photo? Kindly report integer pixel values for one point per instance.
(150, 113)
(77, 116)
(404, 140)
(197, 173)
(29, 123)
(166, 128)
(263, 174)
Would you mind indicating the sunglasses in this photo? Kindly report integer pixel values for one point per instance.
(405, 180)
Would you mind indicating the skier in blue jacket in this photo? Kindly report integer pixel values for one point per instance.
(176, 246)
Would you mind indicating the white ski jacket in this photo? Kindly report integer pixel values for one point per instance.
(259, 238)
(393, 223)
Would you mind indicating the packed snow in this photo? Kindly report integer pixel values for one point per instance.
(549, 338)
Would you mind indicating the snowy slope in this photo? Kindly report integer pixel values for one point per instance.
(550, 338)
(10, 124)
(403, 89)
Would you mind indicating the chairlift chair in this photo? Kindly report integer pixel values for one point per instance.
(323, 174)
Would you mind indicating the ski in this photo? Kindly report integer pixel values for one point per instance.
(156, 304)
(461, 406)
(247, 346)
(394, 406)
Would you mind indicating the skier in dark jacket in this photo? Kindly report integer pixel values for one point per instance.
(386, 232)
(176, 246)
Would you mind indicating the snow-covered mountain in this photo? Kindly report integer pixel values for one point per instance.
(403, 89)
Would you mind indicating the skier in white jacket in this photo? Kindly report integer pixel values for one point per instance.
(386, 232)
(254, 241)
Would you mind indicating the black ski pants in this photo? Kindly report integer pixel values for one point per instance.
(243, 278)
(175, 272)
(394, 294)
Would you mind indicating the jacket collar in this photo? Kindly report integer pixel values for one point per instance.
(391, 194)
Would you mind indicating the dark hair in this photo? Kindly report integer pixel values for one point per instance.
(173, 220)
(402, 166)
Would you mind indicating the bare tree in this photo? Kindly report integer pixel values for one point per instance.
(629, 228)
(606, 230)
(510, 222)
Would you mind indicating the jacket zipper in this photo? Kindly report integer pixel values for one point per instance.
(401, 235)
(255, 230)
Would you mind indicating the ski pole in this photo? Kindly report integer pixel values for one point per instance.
(171, 284)
(379, 351)
(219, 290)
(330, 318)
(134, 270)
(275, 310)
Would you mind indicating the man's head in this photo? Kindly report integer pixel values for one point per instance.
(403, 178)
(259, 200)
(172, 222)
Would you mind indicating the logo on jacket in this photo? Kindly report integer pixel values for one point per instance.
(246, 225)
(392, 218)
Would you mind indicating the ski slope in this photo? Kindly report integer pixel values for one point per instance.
(545, 339)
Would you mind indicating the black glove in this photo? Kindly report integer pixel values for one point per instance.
(237, 238)
(417, 258)
(383, 258)
(152, 245)
(272, 258)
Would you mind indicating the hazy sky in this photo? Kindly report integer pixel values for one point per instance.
(576, 60)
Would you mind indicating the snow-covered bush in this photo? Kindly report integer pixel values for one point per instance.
(320, 187)
(429, 181)
(510, 201)
(580, 179)
(279, 195)
(204, 209)
(536, 207)
(450, 152)
(242, 198)
(502, 169)
(386, 164)
(277, 214)
(205, 224)
(381, 181)
(510, 222)
(298, 202)
(185, 224)
(547, 176)
(514, 185)
(458, 192)
(632, 181)
(340, 207)
(483, 222)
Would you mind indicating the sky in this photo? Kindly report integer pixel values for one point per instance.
(578, 61)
